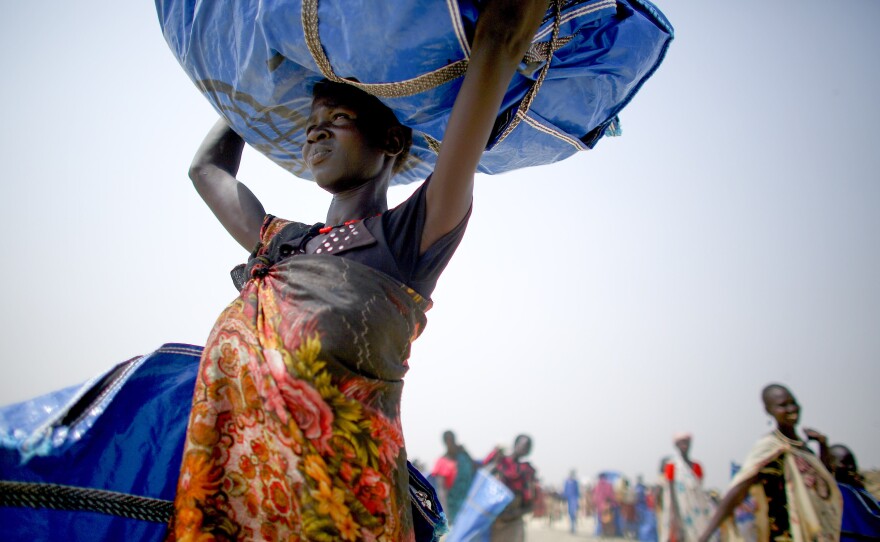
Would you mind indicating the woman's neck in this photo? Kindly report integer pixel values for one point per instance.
(787, 432)
(366, 200)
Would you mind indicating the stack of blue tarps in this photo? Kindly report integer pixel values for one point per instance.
(256, 61)
(98, 461)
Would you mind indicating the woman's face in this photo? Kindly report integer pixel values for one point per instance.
(522, 447)
(781, 404)
(336, 151)
(684, 446)
(842, 461)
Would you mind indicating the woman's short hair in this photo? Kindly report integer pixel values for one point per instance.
(769, 389)
(373, 117)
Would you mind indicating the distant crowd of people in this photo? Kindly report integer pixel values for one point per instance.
(782, 492)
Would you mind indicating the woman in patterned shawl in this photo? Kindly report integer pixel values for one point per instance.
(686, 505)
(797, 498)
(295, 429)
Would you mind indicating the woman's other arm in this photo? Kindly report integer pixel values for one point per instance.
(824, 452)
(503, 34)
(213, 173)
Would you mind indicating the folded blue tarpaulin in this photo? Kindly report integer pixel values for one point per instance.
(256, 61)
(98, 461)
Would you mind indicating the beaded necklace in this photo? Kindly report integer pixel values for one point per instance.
(328, 229)
(792, 442)
(321, 229)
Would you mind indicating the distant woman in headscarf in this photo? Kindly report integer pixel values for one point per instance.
(454, 472)
(686, 506)
(797, 497)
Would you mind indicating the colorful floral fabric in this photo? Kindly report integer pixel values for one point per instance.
(295, 430)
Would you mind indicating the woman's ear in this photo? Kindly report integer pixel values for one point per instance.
(395, 140)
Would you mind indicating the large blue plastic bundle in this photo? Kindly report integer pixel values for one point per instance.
(256, 61)
(98, 461)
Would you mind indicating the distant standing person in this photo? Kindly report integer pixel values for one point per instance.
(572, 494)
(861, 511)
(519, 477)
(798, 499)
(646, 520)
(686, 506)
(454, 472)
(605, 504)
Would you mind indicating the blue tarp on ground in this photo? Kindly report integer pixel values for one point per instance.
(121, 432)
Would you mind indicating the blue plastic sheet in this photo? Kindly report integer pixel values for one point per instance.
(256, 61)
(486, 498)
(122, 431)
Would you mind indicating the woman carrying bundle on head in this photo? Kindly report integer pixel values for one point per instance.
(295, 429)
(797, 498)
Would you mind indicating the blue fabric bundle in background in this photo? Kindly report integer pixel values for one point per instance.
(256, 61)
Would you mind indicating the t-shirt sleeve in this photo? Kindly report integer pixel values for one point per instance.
(669, 471)
(445, 468)
(698, 470)
(271, 226)
(403, 228)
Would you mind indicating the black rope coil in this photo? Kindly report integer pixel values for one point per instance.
(61, 497)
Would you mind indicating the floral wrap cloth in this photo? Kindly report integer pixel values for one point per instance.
(813, 500)
(295, 429)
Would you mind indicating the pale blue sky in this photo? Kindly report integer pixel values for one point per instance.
(730, 238)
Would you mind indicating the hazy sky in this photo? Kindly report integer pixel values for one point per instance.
(730, 238)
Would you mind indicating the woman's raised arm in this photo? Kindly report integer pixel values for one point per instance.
(503, 34)
(213, 173)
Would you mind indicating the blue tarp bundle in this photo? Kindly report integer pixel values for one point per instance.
(98, 461)
(256, 60)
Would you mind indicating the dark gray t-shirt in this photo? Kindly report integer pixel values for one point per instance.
(388, 243)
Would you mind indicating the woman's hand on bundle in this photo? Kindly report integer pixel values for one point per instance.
(510, 24)
(812, 434)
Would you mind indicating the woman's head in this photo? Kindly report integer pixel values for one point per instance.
(682, 441)
(781, 405)
(522, 446)
(843, 465)
(375, 122)
(449, 440)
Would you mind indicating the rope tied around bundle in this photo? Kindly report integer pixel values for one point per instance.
(526, 102)
(63, 497)
(542, 51)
